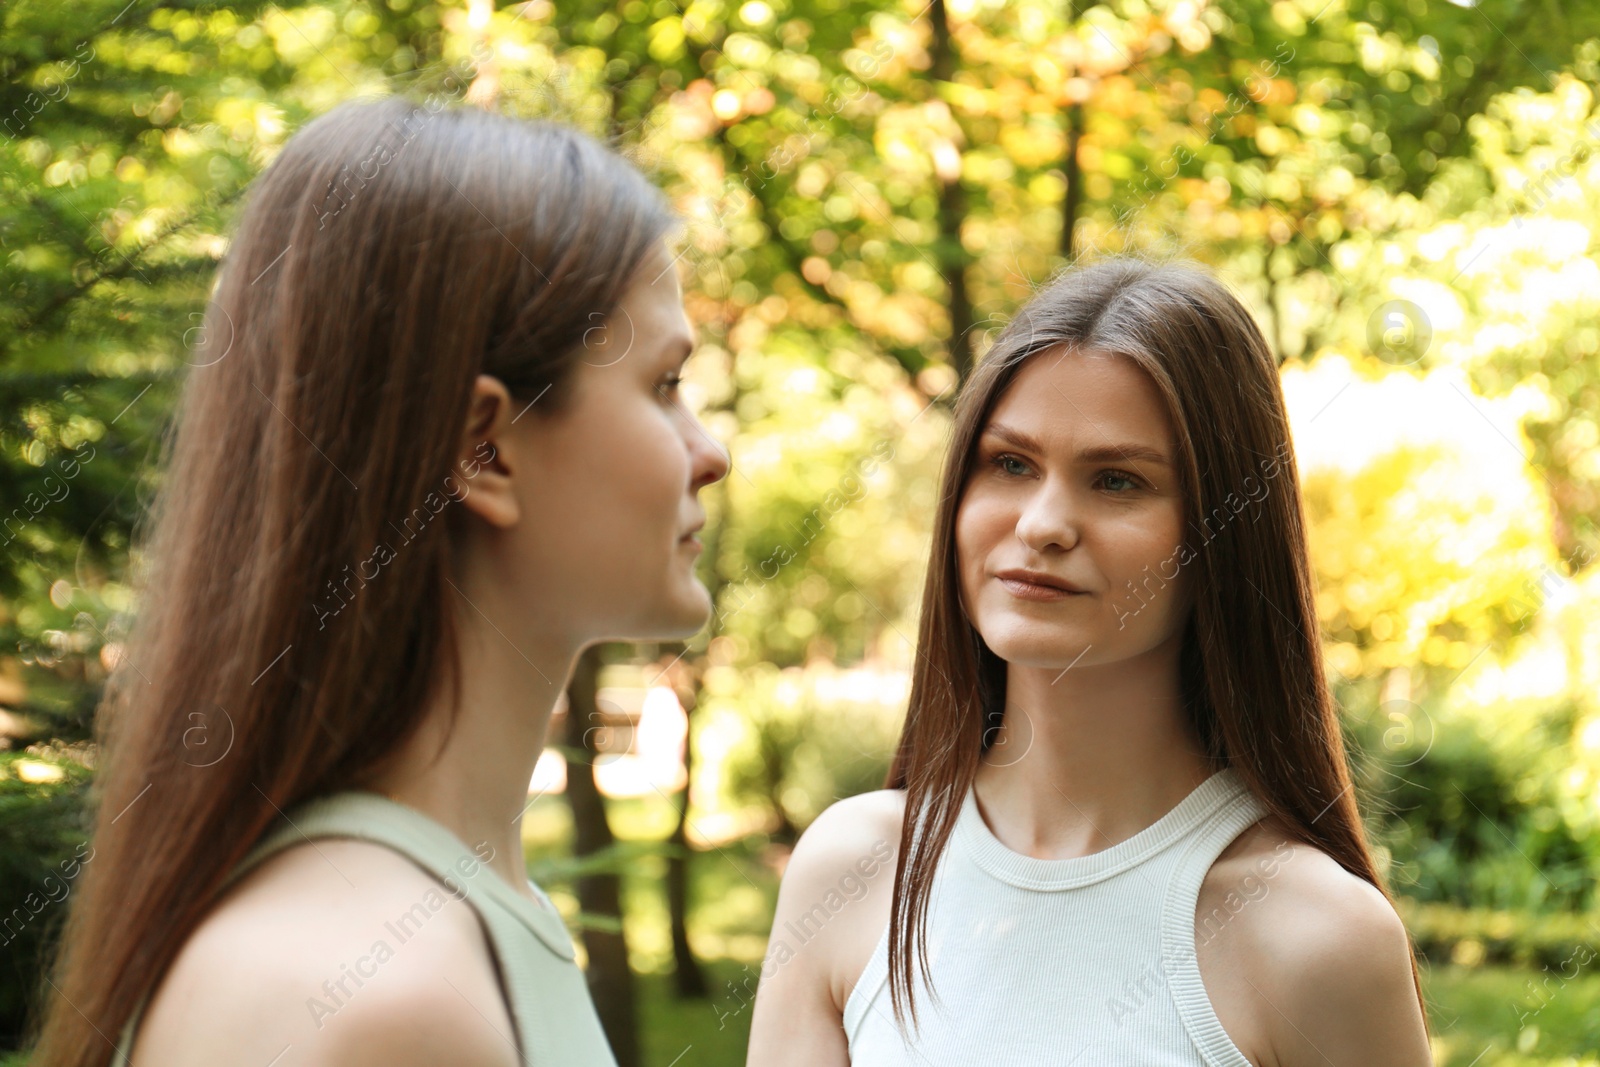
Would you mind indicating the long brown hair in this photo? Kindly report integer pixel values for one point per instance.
(1251, 663)
(390, 254)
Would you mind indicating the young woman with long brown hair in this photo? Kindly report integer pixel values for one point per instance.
(430, 450)
(1121, 821)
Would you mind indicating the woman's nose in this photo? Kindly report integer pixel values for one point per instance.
(710, 459)
(1048, 518)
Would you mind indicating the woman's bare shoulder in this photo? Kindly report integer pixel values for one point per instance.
(833, 905)
(856, 834)
(863, 818)
(1306, 958)
(838, 886)
(332, 951)
(1272, 866)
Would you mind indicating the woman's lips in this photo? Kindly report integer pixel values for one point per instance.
(1030, 591)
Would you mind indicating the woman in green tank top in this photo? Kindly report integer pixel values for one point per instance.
(430, 447)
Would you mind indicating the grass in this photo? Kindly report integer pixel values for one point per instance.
(1513, 1016)
(713, 1033)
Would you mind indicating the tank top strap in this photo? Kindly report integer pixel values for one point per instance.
(369, 816)
(1178, 924)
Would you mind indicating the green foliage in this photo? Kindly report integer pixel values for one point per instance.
(798, 739)
(42, 849)
(839, 165)
(1560, 942)
(1471, 819)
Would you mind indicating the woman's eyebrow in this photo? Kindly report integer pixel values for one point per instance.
(1097, 454)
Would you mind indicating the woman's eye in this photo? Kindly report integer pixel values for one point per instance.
(1118, 476)
(670, 383)
(1007, 464)
(1010, 465)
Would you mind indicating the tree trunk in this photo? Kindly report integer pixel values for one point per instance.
(688, 980)
(1074, 176)
(1072, 172)
(610, 980)
(952, 255)
(774, 759)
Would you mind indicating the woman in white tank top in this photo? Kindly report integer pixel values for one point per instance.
(1119, 827)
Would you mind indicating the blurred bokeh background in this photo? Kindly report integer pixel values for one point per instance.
(1405, 192)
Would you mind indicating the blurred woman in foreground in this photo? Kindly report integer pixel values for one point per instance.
(432, 448)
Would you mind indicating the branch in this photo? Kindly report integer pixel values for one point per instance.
(129, 265)
(910, 359)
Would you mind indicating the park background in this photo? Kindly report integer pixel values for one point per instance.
(1405, 192)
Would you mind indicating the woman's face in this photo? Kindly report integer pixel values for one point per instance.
(1074, 478)
(610, 502)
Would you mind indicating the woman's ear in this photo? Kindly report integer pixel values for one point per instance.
(486, 460)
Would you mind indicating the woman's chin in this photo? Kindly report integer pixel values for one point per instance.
(1035, 649)
(683, 616)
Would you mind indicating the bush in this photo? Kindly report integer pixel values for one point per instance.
(1475, 813)
(43, 845)
(1563, 943)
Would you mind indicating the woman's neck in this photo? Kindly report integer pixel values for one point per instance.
(477, 787)
(1088, 758)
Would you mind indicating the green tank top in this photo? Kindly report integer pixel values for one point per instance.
(546, 994)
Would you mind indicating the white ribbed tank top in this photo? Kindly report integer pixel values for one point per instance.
(1087, 961)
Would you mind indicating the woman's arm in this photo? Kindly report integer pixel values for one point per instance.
(832, 908)
(1350, 999)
